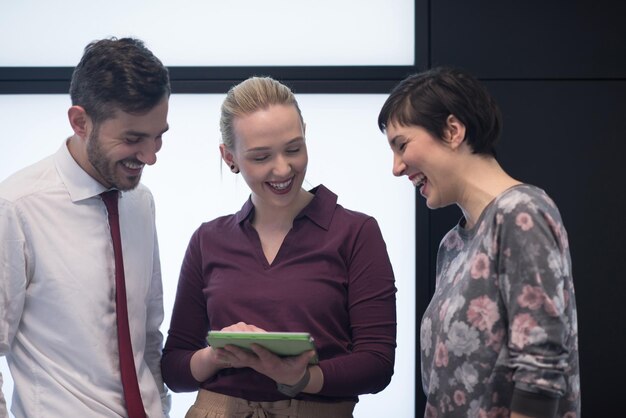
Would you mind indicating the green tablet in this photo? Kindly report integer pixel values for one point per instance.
(280, 343)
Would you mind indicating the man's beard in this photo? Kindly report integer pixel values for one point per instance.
(105, 167)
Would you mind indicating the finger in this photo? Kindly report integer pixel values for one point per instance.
(263, 353)
(309, 355)
(222, 358)
(243, 327)
(303, 359)
(241, 356)
(239, 326)
(254, 328)
(250, 328)
(221, 354)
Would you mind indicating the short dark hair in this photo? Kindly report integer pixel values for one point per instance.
(427, 99)
(118, 74)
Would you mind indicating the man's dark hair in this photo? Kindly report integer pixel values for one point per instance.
(118, 74)
(426, 99)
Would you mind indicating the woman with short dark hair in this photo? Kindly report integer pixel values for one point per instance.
(499, 337)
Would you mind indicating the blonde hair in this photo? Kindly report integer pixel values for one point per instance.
(255, 93)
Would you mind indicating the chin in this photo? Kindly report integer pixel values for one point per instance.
(433, 204)
(127, 185)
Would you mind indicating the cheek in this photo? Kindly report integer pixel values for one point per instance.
(303, 161)
(252, 173)
(412, 158)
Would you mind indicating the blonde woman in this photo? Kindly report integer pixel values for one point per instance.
(289, 260)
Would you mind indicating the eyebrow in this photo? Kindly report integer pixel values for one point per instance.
(144, 134)
(257, 149)
(393, 140)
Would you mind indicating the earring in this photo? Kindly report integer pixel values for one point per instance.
(234, 169)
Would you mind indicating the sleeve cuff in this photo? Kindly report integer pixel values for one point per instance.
(534, 404)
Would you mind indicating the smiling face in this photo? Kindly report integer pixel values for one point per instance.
(119, 147)
(425, 160)
(270, 151)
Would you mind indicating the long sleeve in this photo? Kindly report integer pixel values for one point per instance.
(154, 338)
(12, 281)
(3, 403)
(188, 324)
(538, 293)
(372, 312)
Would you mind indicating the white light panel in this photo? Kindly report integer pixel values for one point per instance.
(214, 33)
(347, 153)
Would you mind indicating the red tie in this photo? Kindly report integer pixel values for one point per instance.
(132, 395)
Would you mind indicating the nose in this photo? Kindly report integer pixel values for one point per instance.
(399, 167)
(147, 152)
(282, 166)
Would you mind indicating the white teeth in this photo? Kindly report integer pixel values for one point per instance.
(419, 180)
(281, 186)
(132, 165)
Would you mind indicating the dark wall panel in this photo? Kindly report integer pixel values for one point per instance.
(531, 38)
(563, 136)
(558, 70)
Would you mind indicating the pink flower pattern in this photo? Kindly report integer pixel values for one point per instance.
(521, 328)
(483, 313)
(550, 307)
(441, 355)
(502, 284)
(459, 397)
(524, 221)
(498, 412)
(532, 297)
(480, 266)
(453, 241)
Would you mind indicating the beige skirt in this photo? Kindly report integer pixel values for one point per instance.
(214, 405)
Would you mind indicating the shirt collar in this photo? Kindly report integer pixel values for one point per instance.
(79, 184)
(245, 211)
(320, 210)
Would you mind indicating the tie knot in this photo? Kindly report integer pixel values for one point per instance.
(110, 199)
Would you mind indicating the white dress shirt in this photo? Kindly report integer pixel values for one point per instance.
(57, 293)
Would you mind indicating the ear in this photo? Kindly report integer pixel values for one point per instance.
(79, 121)
(454, 132)
(227, 155)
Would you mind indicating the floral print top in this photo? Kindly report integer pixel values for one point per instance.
(503, 315)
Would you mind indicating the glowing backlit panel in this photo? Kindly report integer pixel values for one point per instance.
(214, 33)
(347, 153)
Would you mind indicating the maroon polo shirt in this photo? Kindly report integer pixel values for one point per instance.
(331, 277)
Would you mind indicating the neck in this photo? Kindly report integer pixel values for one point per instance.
(483, 180)
(279, 217)
(77, 150)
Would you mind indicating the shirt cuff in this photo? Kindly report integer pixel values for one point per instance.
(534, 404)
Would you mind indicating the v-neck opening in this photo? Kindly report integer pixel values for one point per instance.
(258, 247)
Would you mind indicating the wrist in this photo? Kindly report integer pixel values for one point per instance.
(295, 389)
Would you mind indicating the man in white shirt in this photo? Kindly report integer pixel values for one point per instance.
(58, 311)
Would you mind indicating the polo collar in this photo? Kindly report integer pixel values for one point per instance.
(320, 209)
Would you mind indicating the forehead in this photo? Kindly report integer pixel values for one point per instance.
(149, 122)
(395, 130)
(269, 126)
